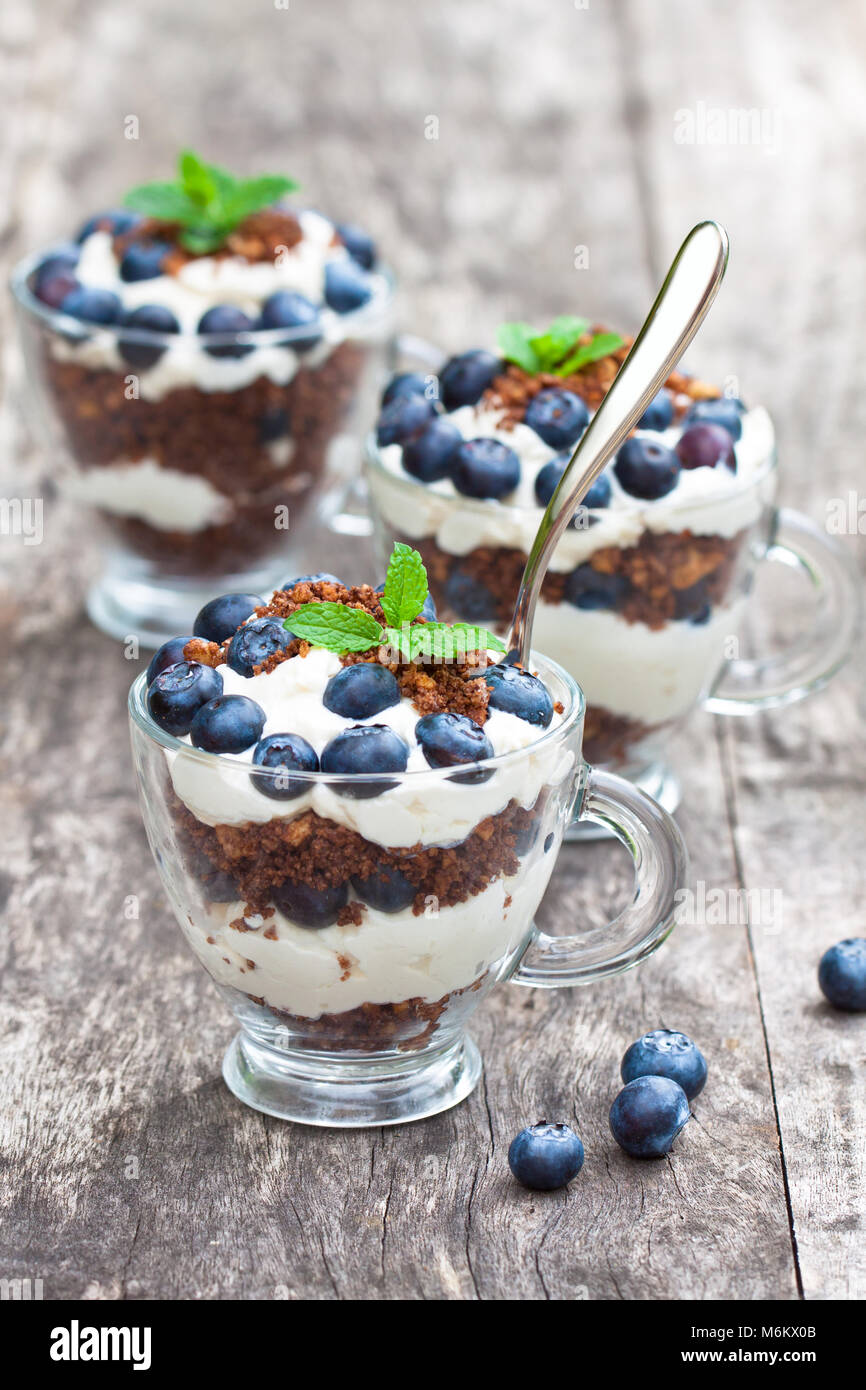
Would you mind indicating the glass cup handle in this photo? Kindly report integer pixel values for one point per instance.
(744, 685)
(660, 863)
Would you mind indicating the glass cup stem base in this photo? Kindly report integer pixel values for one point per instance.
(338, 1093)
(658, 780)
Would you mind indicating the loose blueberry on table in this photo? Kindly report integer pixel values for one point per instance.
(545, 1156)
(647, 1116)
(842, 974)
(664, 1052)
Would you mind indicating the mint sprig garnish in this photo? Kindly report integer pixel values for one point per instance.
(341, 628)
(207, 201)
(559, 350)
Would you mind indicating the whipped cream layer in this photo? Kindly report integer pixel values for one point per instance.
(421, 809)
(386, 959)
(163, 497)
(207, 281)
(705, 501)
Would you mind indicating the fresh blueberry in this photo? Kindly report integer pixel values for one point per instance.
(321, 578)
(526, 837)
(143, 260)
(388, 890)
(599, 494)
(359, 692)
(517, 692)
(702, 616)
(255, 642)
(545, 1156)
(688, 603)
(428, 612)
(472, 602)
(464, 379)
(226, 319)
(666, 1053)
(228, 724)
(403, 418)
(154, 318)
(428, 455)
(274, 423)
(558, 417)
(178, 693)
(703, 446)
(118, 222)
(659, 412)
(448, 740)
(169, 654)
(307, 906)
(410, 384)
(52, 289)
(347, 286)
(92, 306)
(588, 588)
(288, 309)
(547, 481)
(726, 411)
(222, 617)
(484, 468)
(365, 748)
(842, 974)
(282, 754)
(646, 469)
(358, 243)
(647, 1116)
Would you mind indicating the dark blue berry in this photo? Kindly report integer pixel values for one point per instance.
(178, 693)
(359, 692)
(152, 318)
(726, 411)
(647, 1116)
(703, 446)
(548, 479)
(517, 692)
(347, 286)
(586, 587)
(688, 603)
(92, 306)
(228, 724)
(288, 309)
(545, 1156)
(365, 748)
(255, 642)
(448, 740)
(659, 413)
(403, 418)
(118, 222)
(470, 601)
(558, 417)
(358, 243)
(410, 384)
(666, 1053)
(428, 612)
(226, 319)
(308, 906)
(143, 260)
(321, 578)
(428, 455)
(388, 890)
(599, 494)
(702, 616)
(222, 617)
(484, 468)
(52, 288)
(282, 754)
(464, 379)
(169, 654)
(842, 974)
(646, 469)
(274, 423)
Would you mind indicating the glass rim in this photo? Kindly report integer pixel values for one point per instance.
(65, 325)
(572, 718)
(372, 455)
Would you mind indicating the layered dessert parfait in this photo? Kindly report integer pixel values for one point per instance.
(355, 806)
(647, 584)
(202, 351)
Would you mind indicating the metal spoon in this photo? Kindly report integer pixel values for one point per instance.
(680, 307)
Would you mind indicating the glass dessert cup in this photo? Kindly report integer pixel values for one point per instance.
(198, 455)
(669, 641)
(361, 1022)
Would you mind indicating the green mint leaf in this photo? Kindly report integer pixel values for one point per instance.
(441, 642)
(207, 200)
(335, 626)
(166, 201)
(405, 586)
(515, 344)
(197, 180)
(399, 639)
(602, 345)
(199, 242)
(561, 336)
(251, 195)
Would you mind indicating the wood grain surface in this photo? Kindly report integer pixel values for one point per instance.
(128, 1169)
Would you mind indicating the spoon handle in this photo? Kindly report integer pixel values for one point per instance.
(680, 307)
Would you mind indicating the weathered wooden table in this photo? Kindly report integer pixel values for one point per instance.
(483, 144)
